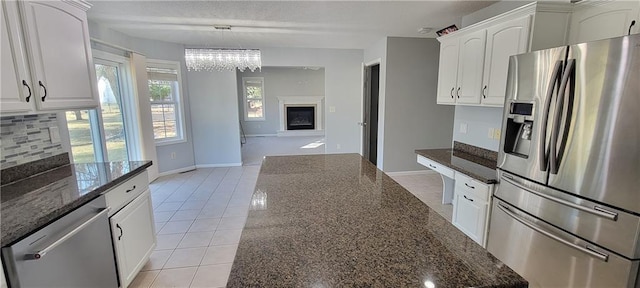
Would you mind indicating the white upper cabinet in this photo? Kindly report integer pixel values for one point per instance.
(470, 67)
(448, 72)
(503, 41)
(16, 90)
(483, 50)
(596, 20)
(55, 37)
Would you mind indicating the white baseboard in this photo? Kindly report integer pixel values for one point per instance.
(218, 165)
(176, 171)
(262, 135)
(417, 172)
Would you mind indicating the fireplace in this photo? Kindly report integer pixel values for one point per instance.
(301, 117)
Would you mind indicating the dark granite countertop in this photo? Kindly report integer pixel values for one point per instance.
(31, 203)
(337, 221)
(474, 166)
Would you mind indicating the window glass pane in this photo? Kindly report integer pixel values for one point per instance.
(170, 129)
(157, 112)
(80, 133)
(158, 130)
(254, 92)
(160, 90)
(169, 112)
(254, 109)
(111, 109)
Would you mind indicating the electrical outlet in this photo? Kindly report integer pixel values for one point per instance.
(338, 146)
(332, 109)
(490, 133)
(54, 135)
(496, 133)
(463, 128)
(173, 155)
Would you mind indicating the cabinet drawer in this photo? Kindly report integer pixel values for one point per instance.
(124, 193)
(473, 187)
(444, 170)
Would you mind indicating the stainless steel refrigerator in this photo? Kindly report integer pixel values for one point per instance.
(566, 212)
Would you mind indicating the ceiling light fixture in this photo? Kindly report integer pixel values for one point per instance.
(210, 59)
(205, 59)
(425, 30)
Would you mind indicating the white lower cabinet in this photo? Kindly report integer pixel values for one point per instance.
(471, 204)
(133, 233)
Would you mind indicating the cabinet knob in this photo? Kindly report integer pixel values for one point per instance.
(45, 90)
(28, 88)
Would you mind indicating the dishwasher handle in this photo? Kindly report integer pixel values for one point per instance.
(39, 254)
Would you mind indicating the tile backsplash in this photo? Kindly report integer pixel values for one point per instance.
(25, 138)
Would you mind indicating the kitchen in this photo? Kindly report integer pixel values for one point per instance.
(338, 134)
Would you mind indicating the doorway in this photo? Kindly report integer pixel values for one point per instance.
(370, 121)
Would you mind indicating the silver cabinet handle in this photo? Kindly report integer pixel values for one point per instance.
(39, 254)
(472, 187)
(598, 211)
(465, 197)
(587, 249)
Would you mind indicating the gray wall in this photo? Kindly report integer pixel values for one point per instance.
(479, 120)
(413, 120)
(493, 10)
(279, 81)
(343, 90)
(163, 51)
(214, 116)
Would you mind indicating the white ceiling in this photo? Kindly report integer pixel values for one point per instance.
(309, 24)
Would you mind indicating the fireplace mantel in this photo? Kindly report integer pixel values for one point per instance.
(316, 101)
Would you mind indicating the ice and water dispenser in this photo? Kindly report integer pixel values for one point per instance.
(518, 131)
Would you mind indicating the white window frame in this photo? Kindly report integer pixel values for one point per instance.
(246, 101)
(180, 122)
(129, 113)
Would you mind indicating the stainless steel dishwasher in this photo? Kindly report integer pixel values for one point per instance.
(73, 251)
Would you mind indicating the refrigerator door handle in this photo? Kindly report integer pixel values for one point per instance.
(542, 147)
(587, 249)
(598, 211)
(554, 156)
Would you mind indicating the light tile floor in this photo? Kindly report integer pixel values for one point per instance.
(199, 219)
(428, 188)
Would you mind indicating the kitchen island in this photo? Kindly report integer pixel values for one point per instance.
(337, 221)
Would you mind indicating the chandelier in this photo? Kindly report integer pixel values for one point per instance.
(222, 59)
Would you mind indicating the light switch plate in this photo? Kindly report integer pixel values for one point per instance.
(463, 128)
(332, 109)
(54, 135)
(490, 133)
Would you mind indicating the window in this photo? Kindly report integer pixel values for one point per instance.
(253, 88)
(166, 102)
(101, 134)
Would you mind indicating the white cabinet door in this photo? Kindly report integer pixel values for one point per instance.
(133, 233)
(595, 20)
(16, 83)
(470, 67)
(469, 215)
(503, 40)
(447, 71)
(57, 38)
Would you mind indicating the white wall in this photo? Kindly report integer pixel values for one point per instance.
(164, 51)
(279, 81)
(478, 120)
(413, 120)
(343, 90)
(214, 116)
